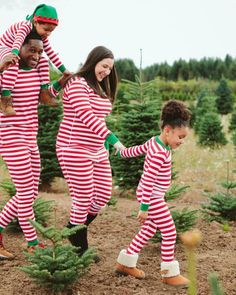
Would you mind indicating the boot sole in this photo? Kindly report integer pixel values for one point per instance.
(176, 286)
(120, 273)
(6, 258)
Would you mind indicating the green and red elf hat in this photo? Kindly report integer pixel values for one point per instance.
(44, 13)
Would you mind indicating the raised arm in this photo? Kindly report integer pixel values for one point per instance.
(22, 30)
(53, 56)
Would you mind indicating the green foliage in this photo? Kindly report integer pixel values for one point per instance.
(221, 208)
(112, 202)
(49, 120)
(232, 123)
(141, 113)
(205, 68)
(184, 220)
(228, 184)
(8, 187)
(42, 209)
(140, 92)
(143, 117)
(58, 266)
(175, 191)
(204, 105)
(210, 131)
(126, 69)
(224, 100)
(215, 285)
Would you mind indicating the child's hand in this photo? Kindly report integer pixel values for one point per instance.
(142, 216)
(9, 59)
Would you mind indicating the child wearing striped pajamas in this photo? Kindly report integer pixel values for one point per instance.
(87, 100)
(155, 180)
(18, 143)
(43, 21)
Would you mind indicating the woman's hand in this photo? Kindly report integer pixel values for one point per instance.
(64, 79)
(119, 147)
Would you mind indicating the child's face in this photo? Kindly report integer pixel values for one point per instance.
(175, 136)
(44, 29)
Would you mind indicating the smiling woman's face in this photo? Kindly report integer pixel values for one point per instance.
(30, 53)
(103, 68)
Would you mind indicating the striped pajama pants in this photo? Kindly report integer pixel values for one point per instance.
(159, 217)
(23, 163)
(10, 75)
(89, 180)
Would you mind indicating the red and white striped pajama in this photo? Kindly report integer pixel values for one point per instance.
(19, 150)
(13, 39)
(153, 184)
(80, 149)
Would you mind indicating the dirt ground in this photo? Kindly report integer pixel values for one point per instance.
(112, 231)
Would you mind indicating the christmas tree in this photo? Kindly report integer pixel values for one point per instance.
(59, 265)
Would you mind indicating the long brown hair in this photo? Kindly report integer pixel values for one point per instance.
(107, 87)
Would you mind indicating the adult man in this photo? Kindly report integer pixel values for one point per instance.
(18, 143)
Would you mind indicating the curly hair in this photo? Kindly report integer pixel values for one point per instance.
(175, 113)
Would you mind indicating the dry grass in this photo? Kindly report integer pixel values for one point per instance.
(203, 168)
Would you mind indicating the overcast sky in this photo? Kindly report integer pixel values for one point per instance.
(166, 30)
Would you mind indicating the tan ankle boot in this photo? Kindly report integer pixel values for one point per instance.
(126, 265)
(131, 271)
(6, 106)
(45, 97)
(171, 274)
(4, 254)
(176, 281)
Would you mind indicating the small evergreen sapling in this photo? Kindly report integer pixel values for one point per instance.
(215, 285)
(58, 266)
(222, 205)
(211, 131)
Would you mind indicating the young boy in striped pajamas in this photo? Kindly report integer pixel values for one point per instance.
(44, 20)
(18, 142)
(87, 100)
(155, 180)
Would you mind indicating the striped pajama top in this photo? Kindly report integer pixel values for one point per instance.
(83, 125)
(21, 129)
(15, 35)
(156, 177)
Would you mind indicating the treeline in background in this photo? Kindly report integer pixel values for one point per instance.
(205, 68)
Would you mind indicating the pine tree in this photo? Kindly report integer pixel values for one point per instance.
(143, 118)
(210, 131)
(232, 124)
(57, 266)
(221, 206)
(49, 120)
(205, 104)
(142, 114)
(224, 100)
